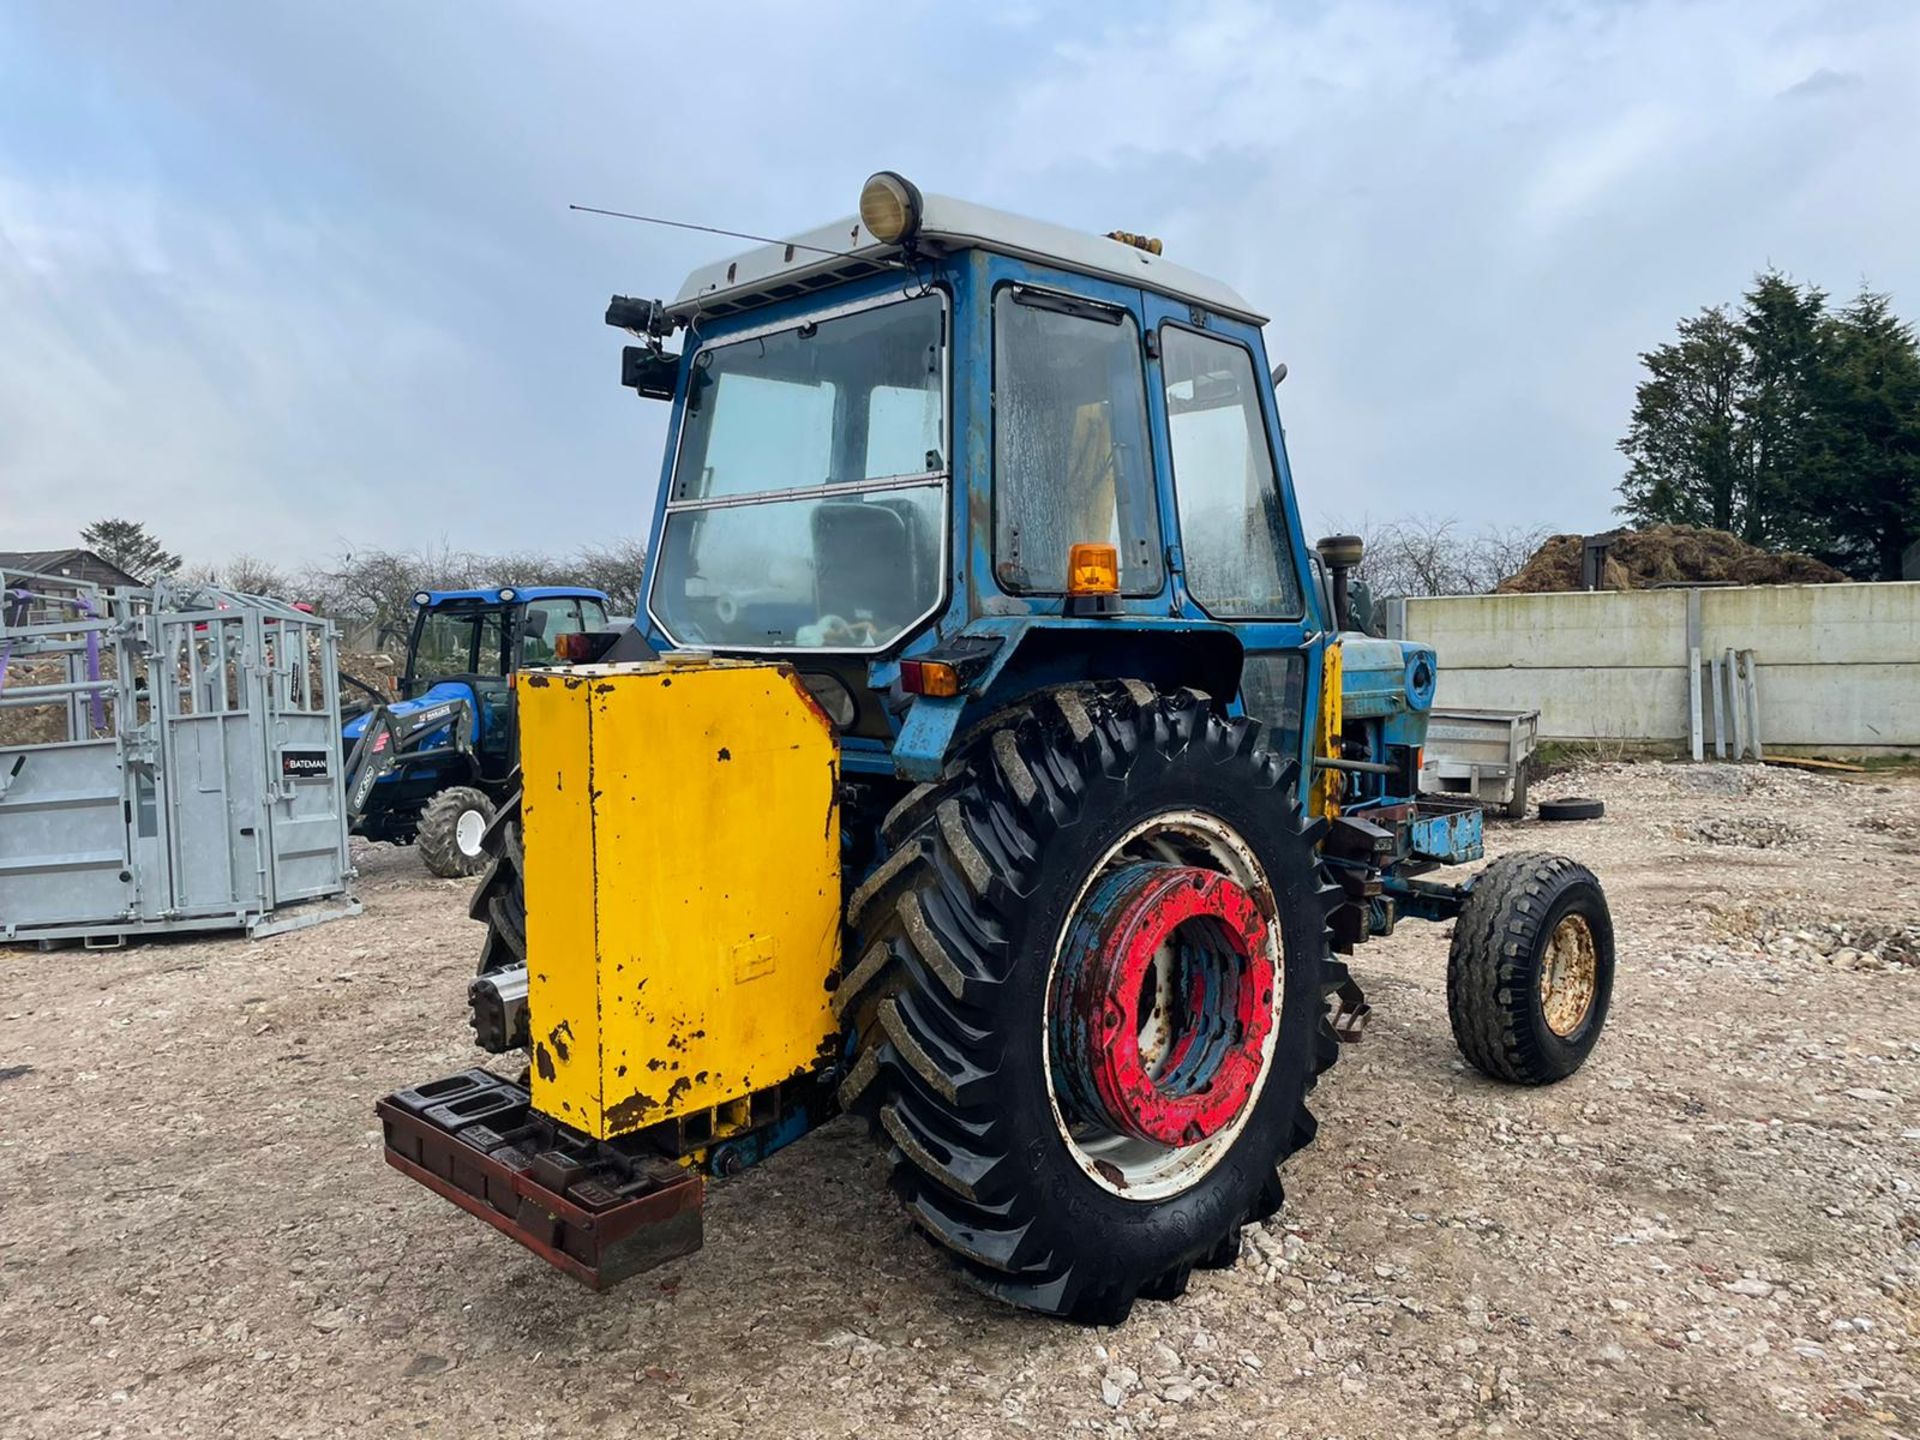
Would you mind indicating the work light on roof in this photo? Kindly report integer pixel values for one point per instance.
(890, 208)
(421, 597)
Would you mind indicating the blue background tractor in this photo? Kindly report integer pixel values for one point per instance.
(993, 760)
(431, 765)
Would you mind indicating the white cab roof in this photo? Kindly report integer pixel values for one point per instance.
(845, 250)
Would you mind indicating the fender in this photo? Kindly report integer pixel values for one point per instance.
(1032, 653)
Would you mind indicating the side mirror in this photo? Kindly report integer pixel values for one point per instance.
(1279, 374)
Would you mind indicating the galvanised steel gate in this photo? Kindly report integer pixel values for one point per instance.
(169, 760)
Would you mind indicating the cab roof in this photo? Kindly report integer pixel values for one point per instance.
(494, 596)
(786, 269)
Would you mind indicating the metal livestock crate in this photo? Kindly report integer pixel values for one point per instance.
(169, 761)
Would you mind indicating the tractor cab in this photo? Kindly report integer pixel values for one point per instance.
(467, 643)
(976, 451)
(430, 764)
(991, 758)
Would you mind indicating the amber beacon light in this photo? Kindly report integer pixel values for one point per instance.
(1093, 580)
(1093, 570)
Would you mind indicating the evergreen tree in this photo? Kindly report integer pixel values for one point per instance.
(1781, 325)
(1791, 425)
(1866, 486)
(129, 545)
(1688, 462)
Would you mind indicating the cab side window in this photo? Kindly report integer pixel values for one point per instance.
(1232, 528)
(488, 653)
(1071, 462)
(545, 622)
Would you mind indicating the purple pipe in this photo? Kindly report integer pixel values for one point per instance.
(96, 706)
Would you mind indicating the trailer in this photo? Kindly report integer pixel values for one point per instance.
(1486, 754)
(169, 761)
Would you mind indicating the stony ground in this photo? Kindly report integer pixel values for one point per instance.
(1713, 1229)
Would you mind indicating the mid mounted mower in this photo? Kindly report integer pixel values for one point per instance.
(993, 761)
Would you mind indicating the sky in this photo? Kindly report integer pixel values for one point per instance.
(290, 279)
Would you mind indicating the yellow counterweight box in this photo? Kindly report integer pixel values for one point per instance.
(683, 887)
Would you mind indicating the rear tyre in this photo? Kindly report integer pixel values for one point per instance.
(1530, 973)
(500, 900)
(1066, 1171)
(453, 824)
(1574, 809)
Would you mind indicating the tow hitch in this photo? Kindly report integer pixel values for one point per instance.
(580, 1204)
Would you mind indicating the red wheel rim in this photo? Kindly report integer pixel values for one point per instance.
(1165, 1003)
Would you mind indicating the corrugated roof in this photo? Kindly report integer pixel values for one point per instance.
(41, 560)
(56, 562)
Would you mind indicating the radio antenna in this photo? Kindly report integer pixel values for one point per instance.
(737, 235)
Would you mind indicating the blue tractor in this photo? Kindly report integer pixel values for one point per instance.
(993, 760)
(431, 765)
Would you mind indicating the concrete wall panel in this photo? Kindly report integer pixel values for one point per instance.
(1839, 664)
(1633, 627)
(1610, 703)
(1816, 624)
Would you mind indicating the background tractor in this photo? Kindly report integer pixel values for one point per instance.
(993, 760)
(432, 764)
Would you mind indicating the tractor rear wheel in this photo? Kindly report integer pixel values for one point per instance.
(452, 825)
(1087, 989)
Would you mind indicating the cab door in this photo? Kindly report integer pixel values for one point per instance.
(493, 741)
(1071, 447)
(1239, 555)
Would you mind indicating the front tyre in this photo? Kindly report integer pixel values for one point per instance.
(1530, 972)
(1088, 996)
(453, 824)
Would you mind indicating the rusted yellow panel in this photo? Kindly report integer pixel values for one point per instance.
(557, 823)
(1324, 794)
(709, 873)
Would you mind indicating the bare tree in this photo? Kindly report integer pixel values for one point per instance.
(251, 575)
(1428, 555)
(377, 587)
(1501, 551)
(616, 569)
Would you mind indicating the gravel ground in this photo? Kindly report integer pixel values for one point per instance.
(1713, 1229)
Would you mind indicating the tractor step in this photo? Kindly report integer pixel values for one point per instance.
(582, 1206)
(1347, 1012)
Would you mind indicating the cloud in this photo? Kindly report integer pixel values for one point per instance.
(286, 278)
(242, 385)
(1468, 220)
(1822, 82)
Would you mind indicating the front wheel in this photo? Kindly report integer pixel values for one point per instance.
(453, 824)
(1530, 973)
(1088, 996)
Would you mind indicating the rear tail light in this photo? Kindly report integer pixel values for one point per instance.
(934, 678)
